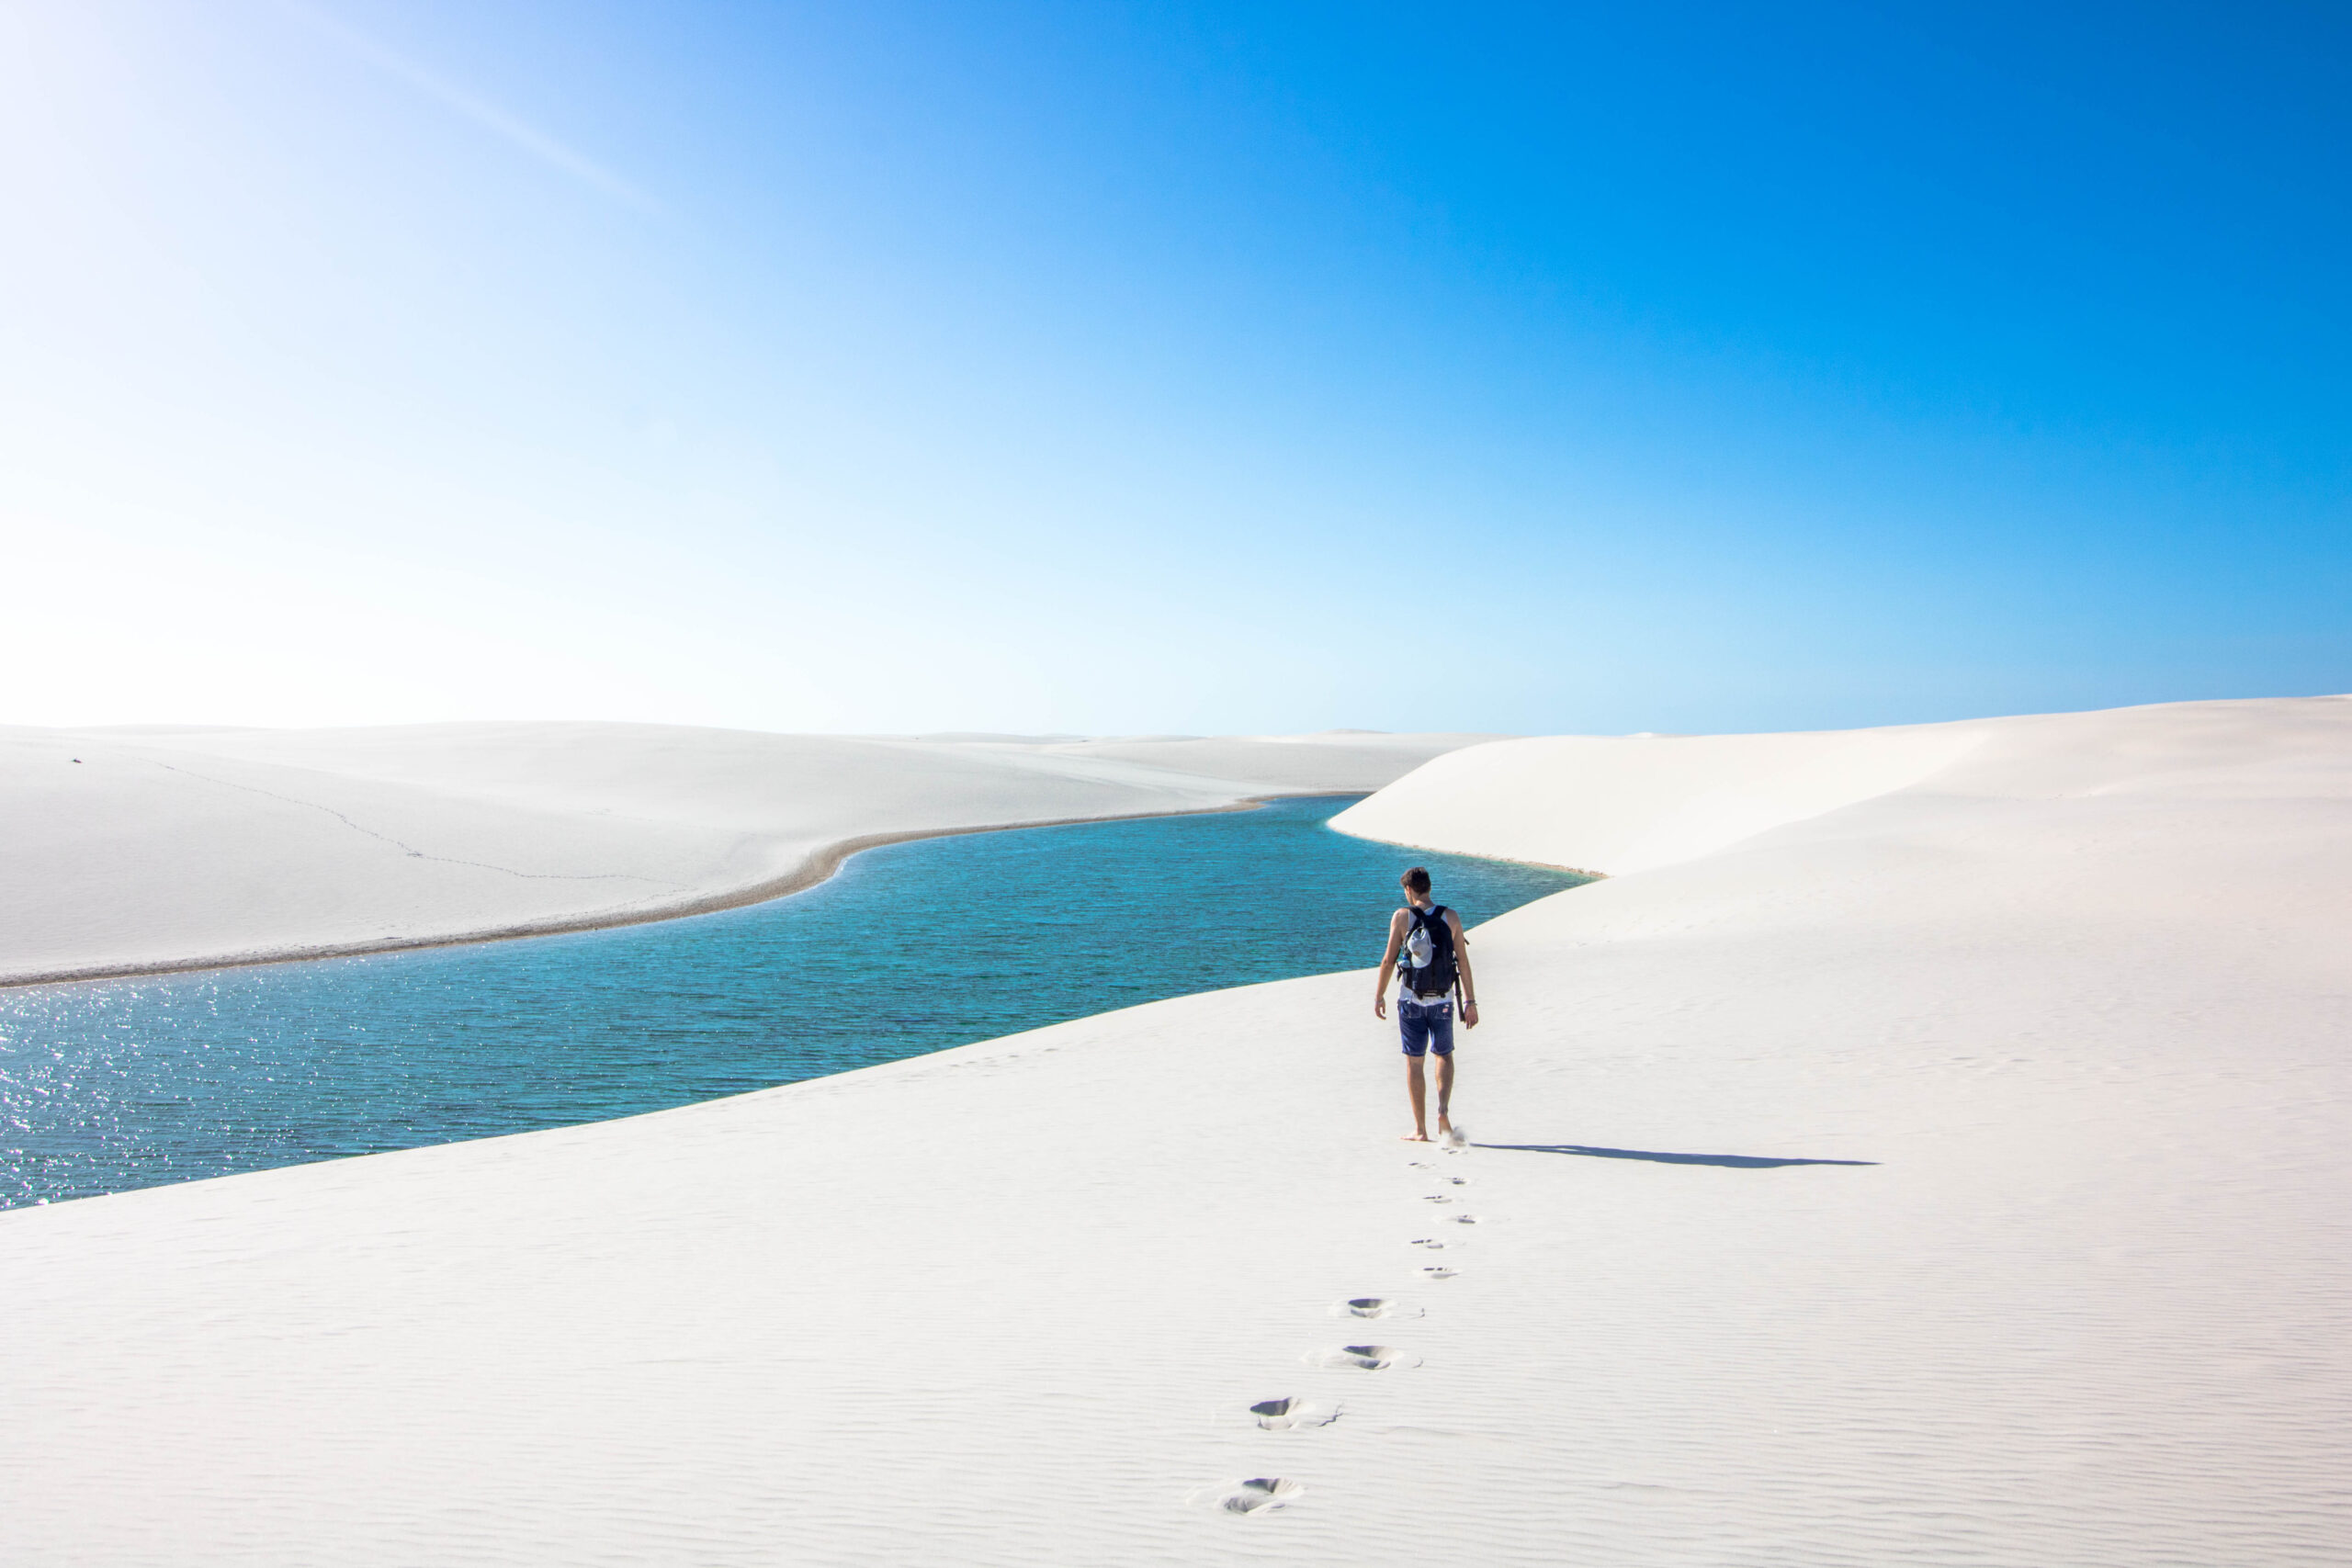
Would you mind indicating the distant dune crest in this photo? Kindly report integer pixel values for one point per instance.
(177, 846)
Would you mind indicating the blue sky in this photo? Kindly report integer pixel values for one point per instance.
(1112, 369)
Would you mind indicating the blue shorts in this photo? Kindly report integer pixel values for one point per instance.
(1425, 1026)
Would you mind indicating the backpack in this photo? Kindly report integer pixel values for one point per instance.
(1426, 959)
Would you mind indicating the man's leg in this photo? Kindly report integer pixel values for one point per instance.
(1418, 1092)
(1441, 1045)
(1413, 1031)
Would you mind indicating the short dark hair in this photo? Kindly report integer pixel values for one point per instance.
(1417, 879)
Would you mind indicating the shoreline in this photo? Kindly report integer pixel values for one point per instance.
(1588, 875)
(816, 870)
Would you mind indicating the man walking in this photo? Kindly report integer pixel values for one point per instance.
(1431, 957)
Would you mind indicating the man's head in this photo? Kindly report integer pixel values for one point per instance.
(1416, 883)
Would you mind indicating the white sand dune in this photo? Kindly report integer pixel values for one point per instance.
(131, 850)
(1927, 1149)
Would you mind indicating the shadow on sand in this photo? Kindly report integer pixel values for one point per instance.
(1732, 1162)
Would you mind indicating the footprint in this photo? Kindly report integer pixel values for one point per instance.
(1434, 1272)
(1465, 1219)
(1260, 1495)
(1459, 1180)
(1293, 1415)
(1431, 1243)
(1437, 1198)
(1372, 1307)
(1363, 1358)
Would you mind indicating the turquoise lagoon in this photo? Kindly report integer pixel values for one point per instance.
(910, 948)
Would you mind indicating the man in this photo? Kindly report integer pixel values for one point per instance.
(1435, 965)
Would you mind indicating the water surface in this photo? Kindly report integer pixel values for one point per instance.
(911, 948)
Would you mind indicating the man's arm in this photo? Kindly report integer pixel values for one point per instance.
(1462, 962)
(1389, 965)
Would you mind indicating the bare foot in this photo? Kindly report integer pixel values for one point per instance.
(1444, 1126)
(1413, 1138)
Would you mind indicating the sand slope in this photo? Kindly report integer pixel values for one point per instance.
(1591, 802)
(1946, 1175)
(172, 848)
